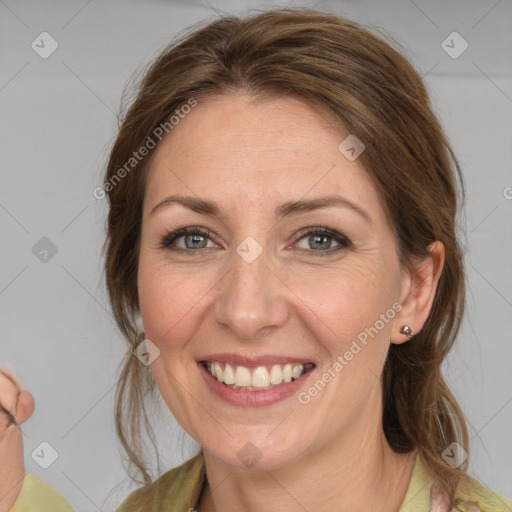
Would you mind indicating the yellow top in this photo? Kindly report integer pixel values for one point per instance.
(179, 490)
(38, 496)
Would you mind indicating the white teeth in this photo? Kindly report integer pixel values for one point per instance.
(287, 373)
(229, 375)
(259, 379)
(242, 376)
(276, 374)
(218, 372)
(297, 371)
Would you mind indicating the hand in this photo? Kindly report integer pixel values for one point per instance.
(16, 407)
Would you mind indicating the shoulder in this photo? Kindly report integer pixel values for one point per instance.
(475, 497)
(472, 496)
(37, 495)
(179, 487)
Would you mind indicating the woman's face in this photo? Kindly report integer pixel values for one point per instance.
(266, 287)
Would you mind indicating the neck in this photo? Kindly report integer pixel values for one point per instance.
(357, 471)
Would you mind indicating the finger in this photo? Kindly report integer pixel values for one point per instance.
(24, 409)
(10, 390)
(25, 406)
(9, 374)
(10, 418)
(17, 404)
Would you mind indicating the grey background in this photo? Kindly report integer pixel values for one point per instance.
(58, 121)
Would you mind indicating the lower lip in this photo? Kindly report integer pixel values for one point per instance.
(244, 398)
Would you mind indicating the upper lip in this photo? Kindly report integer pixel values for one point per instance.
(245, 360)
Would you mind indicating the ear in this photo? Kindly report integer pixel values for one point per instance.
(417, 293)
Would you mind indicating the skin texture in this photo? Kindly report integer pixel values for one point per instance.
(250, 157)
(20, 405)
(330, 454)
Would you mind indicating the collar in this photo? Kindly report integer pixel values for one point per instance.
(416, 498)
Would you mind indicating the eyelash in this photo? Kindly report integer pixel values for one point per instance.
(344, 242)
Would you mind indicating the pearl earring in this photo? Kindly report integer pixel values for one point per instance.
(405, 329)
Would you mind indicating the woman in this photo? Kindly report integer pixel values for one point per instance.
(282, 227)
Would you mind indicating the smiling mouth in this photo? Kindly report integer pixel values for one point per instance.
(260, 378)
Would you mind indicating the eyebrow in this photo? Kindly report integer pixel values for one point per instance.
(206, 207)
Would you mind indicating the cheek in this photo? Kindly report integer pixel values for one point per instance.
(171, 303)
(336, 302)
(170, 300)
(347, 299)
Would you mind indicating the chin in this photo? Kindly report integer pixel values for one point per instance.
(255, 452)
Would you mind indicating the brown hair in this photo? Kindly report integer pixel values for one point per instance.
(373, 92)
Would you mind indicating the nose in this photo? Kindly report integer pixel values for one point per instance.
(252, 299)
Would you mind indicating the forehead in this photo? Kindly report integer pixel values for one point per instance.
(233, 148)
